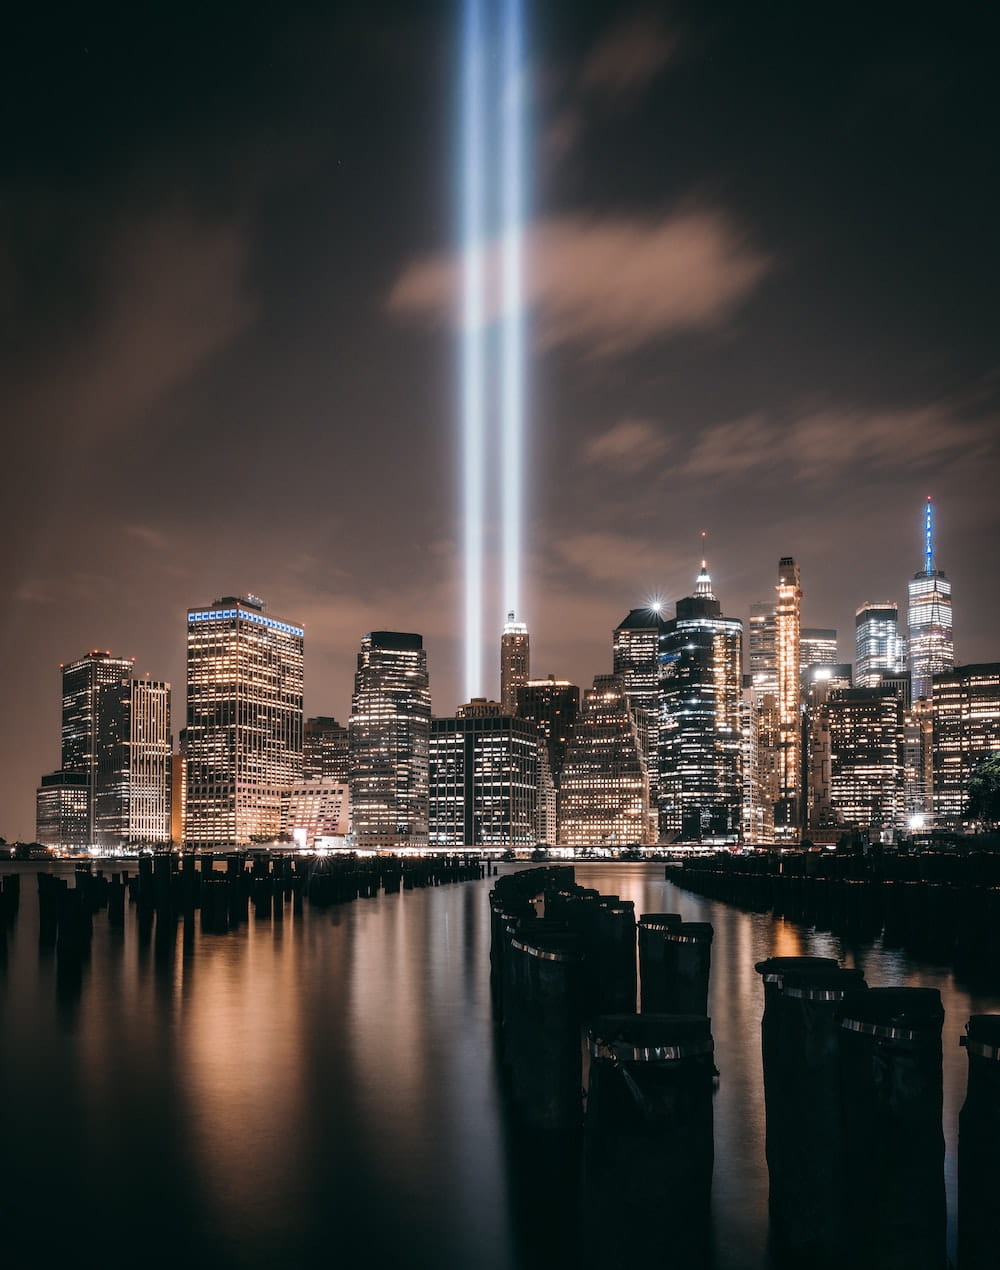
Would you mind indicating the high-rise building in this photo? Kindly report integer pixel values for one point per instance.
(62, 804)
(635, 660)
(325, 750)
(932, 651)
(966, 722)
(818, 682)
(515, 662)
(83, 682)
(762, 648)
(787, 630)
(700, 781)
(485, 778)
(178, 793)
(817, 647)
(552, 705)
(758, 798)
(879, 649)
(866, 759)
(604, 795)
(388, 734)
(133, 765)
(244, 721)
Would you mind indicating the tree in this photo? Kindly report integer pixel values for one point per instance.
(984, 791)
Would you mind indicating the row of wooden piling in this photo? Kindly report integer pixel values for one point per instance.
(172, 886)
(564, 991)
(950, 923)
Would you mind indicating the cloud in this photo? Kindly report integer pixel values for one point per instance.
(607, 285)
(171, 294)
(608, 557)
(824, 444)
(628, 445)
(628, 58)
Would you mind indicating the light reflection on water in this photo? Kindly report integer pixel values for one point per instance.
(325, 1085)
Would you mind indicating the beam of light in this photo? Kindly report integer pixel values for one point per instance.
(473, 335)
(512, 398)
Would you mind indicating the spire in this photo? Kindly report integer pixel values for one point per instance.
(929, 536)
(703, 585)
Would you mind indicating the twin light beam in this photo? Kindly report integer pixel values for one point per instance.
(492, 206)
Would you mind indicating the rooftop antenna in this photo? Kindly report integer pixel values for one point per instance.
(929, 536)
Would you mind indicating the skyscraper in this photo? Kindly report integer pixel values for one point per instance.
(817, 647)
(244, 721)
(83, 682)
(787, 629)
(966, 723)
(932, 651)
(700, 782)
(388, 735)
(515, 662)
(325, 750)
(553, 706)
(604, 793)
(866, 759)
(762, 648)
(485, 779)
(879, 649)
(635, 660)
(133, 765)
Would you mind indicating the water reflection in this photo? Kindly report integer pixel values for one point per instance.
(322, 1083)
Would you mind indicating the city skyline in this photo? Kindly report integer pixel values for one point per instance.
(750, 312)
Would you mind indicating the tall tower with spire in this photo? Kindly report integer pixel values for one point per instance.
(932, 650)
(515, 663)
(788, 630)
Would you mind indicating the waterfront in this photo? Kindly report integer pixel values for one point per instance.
(325, 1085)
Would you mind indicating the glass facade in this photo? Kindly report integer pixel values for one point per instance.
(515, 662)
(485, 779)
(788, 765)
(700, 786)
(604, 795)
(133, 768)
(325, 750)
(82, 684)
(966, 728)
(553, 706)
(879, 649)
(244, 721)
(932, 649)
(389, 735)
(866, 759)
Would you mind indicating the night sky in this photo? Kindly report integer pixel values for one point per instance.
(764, 285)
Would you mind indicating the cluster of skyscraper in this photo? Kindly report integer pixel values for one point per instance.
(677, 743)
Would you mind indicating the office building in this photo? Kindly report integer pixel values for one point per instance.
(787, 631)
(552, 705)
(817, 647)
(879, 649)
(325, 750)
(83, 682)
(700, 782)
(62, 803)
(604, 797)
(244, 721)
(635, 660)
(178, 793)
(315, 808)
(515, 662)
(762, 649)
(758, 795)
(132, 806)
(931, 648)
(866, 760)
(966, 726)
(389, 735)
(485, 779)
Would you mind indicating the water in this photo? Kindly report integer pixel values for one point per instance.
(325, 1086)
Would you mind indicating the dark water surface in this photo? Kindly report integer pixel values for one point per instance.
(324, 1086)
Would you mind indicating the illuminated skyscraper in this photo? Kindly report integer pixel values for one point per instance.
(700, 786)
(83, 682)
(485, 778)
(133, 765)
(866, 759)
(244, 721)
(817, 647)
(515, 662)
(763, 649)
(553, 706)
(635, 660)
(787, 629)
(325, 750)
(879, 649)
(604, 792)
(388, 735)
(932, 651)
(966, 723)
